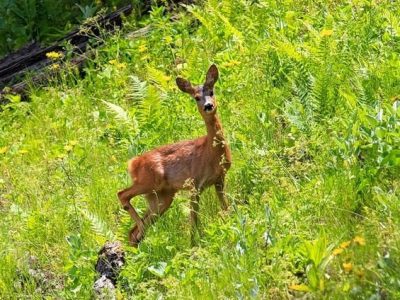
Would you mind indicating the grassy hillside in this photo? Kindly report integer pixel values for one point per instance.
(309, 100)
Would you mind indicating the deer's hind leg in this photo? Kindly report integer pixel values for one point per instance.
(158, 203)
(125, 196)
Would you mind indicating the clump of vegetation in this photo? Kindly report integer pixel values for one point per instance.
(309, 98)
(24, 21)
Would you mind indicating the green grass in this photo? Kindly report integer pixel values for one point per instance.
(308, 96)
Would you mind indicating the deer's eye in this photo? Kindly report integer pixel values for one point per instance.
(197, 98)
(211, 93)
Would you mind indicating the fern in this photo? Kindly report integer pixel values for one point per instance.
(125, 224)
(147, 97)
(230, 28)
(199, 15)
(139, 88)
(118, 111)
(302, 88)
(319, 94)
(149, 107)
(159, 78)
(98, 226)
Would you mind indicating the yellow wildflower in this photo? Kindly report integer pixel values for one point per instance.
(168, 39)
(121, 65)
(344, 245)
(359, 240)
(326, 32)
(3, 150)
(53, 55)
(54, 67)
(142, 48)
(347, 267)
(68, 148)
(73, 143)
(231, 63)
(23, 151)
(337, 251)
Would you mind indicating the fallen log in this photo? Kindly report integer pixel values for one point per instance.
(33, 57)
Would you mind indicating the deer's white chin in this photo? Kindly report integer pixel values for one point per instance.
(209, 112)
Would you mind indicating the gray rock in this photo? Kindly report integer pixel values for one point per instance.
(104, 288)
(111, 259)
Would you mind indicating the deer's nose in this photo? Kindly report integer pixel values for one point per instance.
(208, 107)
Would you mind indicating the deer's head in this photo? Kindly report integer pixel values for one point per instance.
(203, 94)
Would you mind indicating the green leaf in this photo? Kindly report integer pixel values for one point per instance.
(158, 269)
(300, 288)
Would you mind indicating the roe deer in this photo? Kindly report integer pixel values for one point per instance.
(193, 164)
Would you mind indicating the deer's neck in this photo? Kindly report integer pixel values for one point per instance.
(217, 149)
(215, 136)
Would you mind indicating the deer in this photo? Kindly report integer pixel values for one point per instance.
(187, 165)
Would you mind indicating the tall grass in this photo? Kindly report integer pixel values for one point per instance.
(308, 97)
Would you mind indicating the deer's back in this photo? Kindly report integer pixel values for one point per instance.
(177, 166)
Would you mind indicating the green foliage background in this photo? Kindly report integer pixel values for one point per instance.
(309, 99)
(24, 21)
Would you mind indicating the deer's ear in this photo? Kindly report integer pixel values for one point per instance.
(184, 85)
(212, 76)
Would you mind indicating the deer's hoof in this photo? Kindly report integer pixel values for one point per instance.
(135, 236)
(133, 241)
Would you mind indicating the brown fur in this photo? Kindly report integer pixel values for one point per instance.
(193, 164)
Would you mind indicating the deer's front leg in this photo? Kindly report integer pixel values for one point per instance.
(194, 214)
(219, 188)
